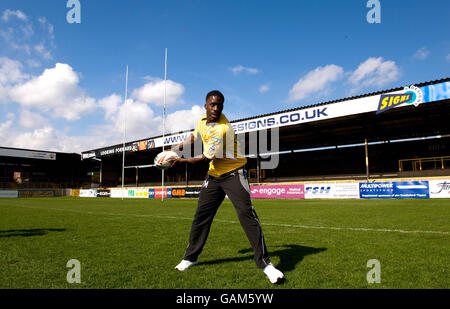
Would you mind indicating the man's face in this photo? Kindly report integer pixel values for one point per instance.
(214, 107)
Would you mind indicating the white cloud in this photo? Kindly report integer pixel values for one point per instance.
(47, 26)
(43, 51)
(111, 105)
(153, 92)
(32, 120)
(138, 121)
(47, 138)
(264, 88)
(10, 74)
(315, 81)
(26, 38)
(11, 71)
(374, 72)
(33, 63)
(141, 121)
(36, 132)
(27, 30)
(55, 92)
(18, 14)
(422, 53)
(183, 120)
(239, 69)
(5, 127)
(43, 138)
(11, 40)
(447, 58)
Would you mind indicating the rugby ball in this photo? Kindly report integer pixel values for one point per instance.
(161, 160)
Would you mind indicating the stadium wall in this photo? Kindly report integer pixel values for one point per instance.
(27, 193)
(407, 188)
(381, 188)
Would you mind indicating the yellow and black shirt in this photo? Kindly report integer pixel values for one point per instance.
(220, 145)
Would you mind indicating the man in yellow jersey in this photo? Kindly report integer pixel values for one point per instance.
(226, 176)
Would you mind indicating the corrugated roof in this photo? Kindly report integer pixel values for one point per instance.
(37, 150)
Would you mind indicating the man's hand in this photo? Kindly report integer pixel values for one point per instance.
(174, 161)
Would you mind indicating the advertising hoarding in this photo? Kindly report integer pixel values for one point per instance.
(9, 193)
(331, 190)
(119, 193)
(396, 189)
(137, 193)
(439, 188)
(103, 193)
(163, 193)
(88, 193)
(278, 191)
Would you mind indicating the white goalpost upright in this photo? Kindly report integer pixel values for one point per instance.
(125, 130)
(164, 120)
(124, 133)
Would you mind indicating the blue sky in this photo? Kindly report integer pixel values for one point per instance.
(62, 85)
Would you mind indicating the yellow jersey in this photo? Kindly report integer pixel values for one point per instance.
(220, 145)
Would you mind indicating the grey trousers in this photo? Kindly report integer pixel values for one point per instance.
(235, 185)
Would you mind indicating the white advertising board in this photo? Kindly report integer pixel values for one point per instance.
(439, 188)
(88, 193)
(331, 190)
(9, 193)
(118, 193)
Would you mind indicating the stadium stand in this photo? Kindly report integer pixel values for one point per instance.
(36, 169)
(351, 139)
(325, 141)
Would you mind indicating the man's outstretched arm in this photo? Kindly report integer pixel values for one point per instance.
(187, 142)
(197, 159)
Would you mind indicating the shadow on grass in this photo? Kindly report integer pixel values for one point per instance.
(290, 256)
(28, 233)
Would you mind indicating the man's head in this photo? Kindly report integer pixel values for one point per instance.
(214, 105)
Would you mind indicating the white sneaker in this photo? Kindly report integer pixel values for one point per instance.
(184, 265)
(274, 275)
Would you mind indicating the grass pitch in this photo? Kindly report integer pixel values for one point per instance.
(136, 243)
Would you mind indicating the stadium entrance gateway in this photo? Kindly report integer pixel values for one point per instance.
(352, 139)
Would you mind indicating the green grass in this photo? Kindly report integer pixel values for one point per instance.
(136, 243)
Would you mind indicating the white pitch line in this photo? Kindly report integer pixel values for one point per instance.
(360, 229)
(357, 229)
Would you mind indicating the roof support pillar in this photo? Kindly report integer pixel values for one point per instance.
(367, 158)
